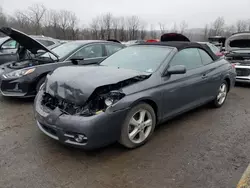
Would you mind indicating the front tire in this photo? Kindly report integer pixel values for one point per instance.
(138, 126)
(221, 95)
(40, 83)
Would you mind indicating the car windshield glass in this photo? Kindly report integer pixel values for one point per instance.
(214, 48)
(244, 43)
(63, 50)
(140, 58)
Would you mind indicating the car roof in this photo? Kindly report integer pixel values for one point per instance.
(92, 41)
(179, 45)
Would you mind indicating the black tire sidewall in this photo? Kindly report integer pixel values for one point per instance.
(39, 83)
(124, 139)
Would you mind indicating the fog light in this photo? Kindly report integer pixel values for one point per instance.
(109, 101)
(79, 138)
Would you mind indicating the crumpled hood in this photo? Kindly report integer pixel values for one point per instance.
(238, 41)
(76, 84)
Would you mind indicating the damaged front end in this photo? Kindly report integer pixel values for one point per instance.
(101, 98)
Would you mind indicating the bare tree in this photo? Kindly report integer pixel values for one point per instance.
(229, 30)
(133, 24)
(183, 26)
(64, 21)
(218, 26)
(162, 27)
(206, 32)
(174, 28)
(3, 19)
(143, 31)
(95, 27)
(35, 14)
(241, 25)
(153, 33)
(115, 26)
(107, 23)
(122, 30)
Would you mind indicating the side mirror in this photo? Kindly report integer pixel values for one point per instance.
(177, 69)
(74, 60)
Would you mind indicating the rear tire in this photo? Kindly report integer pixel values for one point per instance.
(138, 126)
(40, 83)
(221, 95)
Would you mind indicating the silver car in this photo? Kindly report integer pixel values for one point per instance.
(238, 53)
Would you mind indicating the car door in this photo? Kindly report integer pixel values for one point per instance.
(92, 54)
(184, 91)
(212, 76)
(8, 51)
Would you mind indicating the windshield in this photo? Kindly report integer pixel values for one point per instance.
(140, 58)
(63, 50)
(213, 48)
(243, 43)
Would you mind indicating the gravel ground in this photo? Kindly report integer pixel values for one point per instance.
(204, 148)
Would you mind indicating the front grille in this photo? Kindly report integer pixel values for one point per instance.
(242, 72)
(49, 130)
(66, 107)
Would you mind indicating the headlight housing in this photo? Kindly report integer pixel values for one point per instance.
(113, 97)
(19, 73)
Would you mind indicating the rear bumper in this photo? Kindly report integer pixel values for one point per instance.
(98, 130)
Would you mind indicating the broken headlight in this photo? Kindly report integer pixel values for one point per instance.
(113, 97)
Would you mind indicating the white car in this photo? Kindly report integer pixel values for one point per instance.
(238, 52)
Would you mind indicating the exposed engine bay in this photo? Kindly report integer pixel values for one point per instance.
(239, 58)
(29, 63)
(99, 100)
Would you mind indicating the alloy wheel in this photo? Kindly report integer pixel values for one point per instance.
(222, 94)
(140, 126)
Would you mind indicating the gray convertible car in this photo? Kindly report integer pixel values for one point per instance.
(129, 93)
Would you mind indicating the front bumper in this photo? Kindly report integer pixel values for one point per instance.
(244, 75)
(20, 87)
(98, 130)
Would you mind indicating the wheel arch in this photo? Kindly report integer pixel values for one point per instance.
(150, 102)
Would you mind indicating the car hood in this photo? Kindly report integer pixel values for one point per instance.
(238, 42)
(76, 84)
(26, 41)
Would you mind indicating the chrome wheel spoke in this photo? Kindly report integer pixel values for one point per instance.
(148, 123)
(142, 116)
(134, 122)
(133, 133)
(142, 136)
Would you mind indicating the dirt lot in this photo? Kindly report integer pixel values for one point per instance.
(203, 148)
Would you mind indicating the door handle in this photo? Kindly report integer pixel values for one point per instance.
(204, 76)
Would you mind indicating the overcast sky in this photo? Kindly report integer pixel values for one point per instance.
(195, 12)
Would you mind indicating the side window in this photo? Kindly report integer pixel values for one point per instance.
(206, 59)
(190, 58)
(92, 51)
(112, 49)
(10, 44)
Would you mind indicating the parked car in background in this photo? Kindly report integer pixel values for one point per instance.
(24, 78)
(238, 53)
(213, 48)
(132, 42)
(130, 92)
(10, 50)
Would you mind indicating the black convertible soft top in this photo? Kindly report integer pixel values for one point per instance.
(183, 45)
